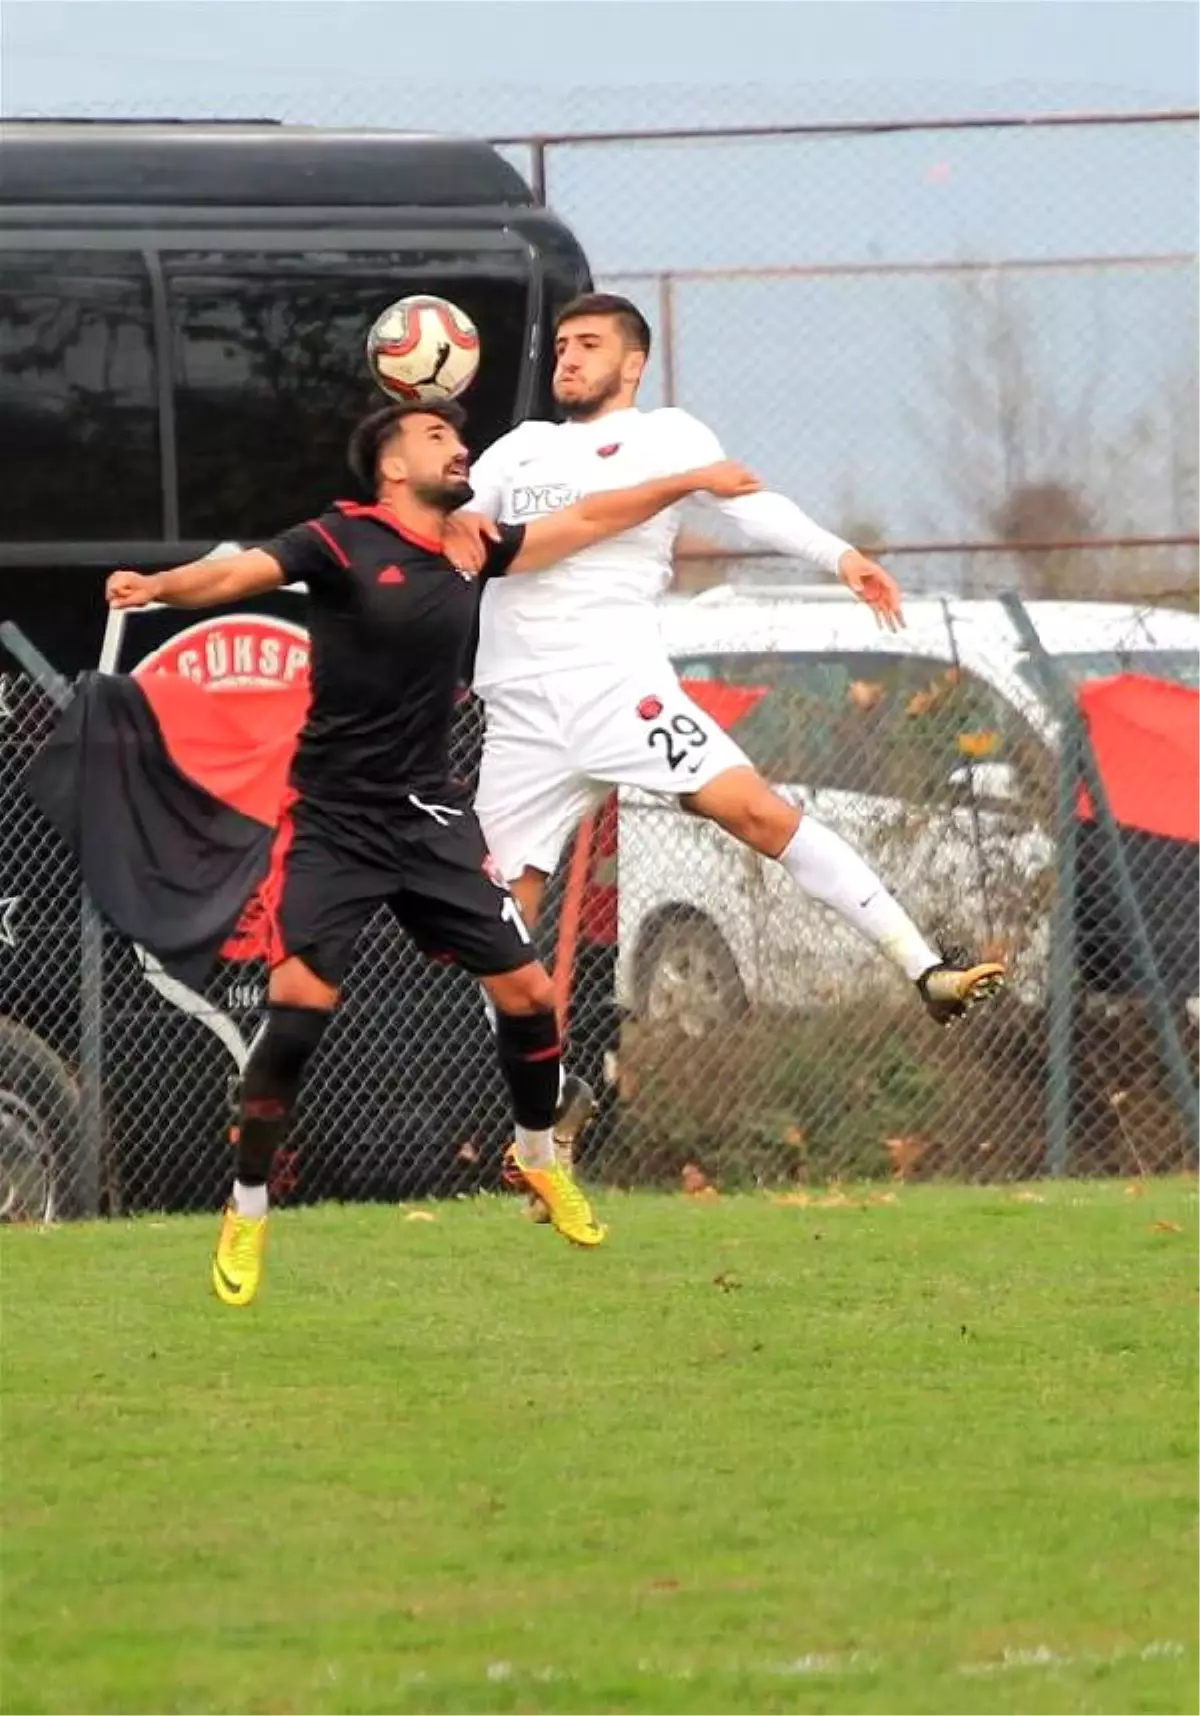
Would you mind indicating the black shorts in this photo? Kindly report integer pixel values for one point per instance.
(428, 862)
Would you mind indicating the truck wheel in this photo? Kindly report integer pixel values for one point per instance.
(688, 980)
(39, 1128)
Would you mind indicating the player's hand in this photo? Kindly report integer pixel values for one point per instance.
(874, 586)
(129, 590)
(468, 538)
(727, 480)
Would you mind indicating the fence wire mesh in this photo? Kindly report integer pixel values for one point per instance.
(738, 1034)
(975, 344)
(957, 332)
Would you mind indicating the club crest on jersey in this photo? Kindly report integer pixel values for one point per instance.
(493, 872)
(650, 708)
(391, 575)
(607, 452)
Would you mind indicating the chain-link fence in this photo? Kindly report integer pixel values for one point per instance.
(736, 1033)
(969, 344)
(118, 1086)
(976, 337)
(970, 336)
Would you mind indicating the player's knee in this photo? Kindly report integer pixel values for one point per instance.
(529, 890)
(295, 984)
(529, 990)
(771, 824)
(757, 816)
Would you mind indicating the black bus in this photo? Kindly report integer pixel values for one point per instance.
(182, 317)
(183, 310)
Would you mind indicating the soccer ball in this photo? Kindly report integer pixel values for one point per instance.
(423, 349)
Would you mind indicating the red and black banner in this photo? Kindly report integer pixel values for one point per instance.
(169, 795)
(1145, 736)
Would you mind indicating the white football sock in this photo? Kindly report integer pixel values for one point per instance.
(535, 1149)
(489, 1008)
(828, 868)
(249, 1200)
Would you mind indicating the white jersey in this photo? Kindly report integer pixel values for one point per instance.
(597, 606)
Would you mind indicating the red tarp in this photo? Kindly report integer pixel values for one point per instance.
(1146, 736)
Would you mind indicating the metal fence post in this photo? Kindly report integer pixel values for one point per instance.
(666, 336)
(537, 168)
(1059, 1089)
(85, 1180)
(1160, 1007)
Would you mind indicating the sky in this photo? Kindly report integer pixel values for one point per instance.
(190, 53)
(819, 381)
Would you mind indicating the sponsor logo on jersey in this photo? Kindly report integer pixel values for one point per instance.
(607, 452)
(234, 653)
(532, 499)
(650, 708)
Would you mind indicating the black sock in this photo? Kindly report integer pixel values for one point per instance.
(271, 1084)
(529, 1051)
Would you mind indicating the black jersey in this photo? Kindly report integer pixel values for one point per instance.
(393, 627)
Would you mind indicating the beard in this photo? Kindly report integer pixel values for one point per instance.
(583, 406)
(446, 495)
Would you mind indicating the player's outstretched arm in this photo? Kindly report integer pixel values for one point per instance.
(595, 517)
(773, 521)
(201, 584)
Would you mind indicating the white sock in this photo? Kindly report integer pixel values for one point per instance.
(489, 1008)
(535, 1149)
(249, 1200)
(828, 868)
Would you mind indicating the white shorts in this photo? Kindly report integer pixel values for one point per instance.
(555, 747)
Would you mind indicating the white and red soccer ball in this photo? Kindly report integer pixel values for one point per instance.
(423, 349)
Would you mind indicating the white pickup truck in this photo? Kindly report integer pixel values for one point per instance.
(930, 749)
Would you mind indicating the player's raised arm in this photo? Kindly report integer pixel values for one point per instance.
(772, 521)
(306, 554)
(595, 517)
(201, 584)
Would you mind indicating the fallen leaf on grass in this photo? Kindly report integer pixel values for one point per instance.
(420, 1215)
(1028, 1198)
(1136, 1190)
(663, 1585)
(835, 1199)
(905, 1153)
(1166, 1227)
(696, 1183)
(726, 1282)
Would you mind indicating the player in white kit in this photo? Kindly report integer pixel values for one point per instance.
(580, 695)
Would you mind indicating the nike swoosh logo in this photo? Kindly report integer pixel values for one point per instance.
(233, 1286)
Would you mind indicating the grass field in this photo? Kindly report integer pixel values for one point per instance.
(935, 1453)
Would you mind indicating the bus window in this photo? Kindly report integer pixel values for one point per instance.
(77, 398)
(270, 374)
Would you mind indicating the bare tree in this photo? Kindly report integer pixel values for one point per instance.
(1029, 445)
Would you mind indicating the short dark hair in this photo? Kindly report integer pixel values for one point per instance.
(634, 326)
(372, 435)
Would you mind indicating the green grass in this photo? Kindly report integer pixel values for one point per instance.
(935, 1454)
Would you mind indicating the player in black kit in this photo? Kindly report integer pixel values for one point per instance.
(374, 817)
